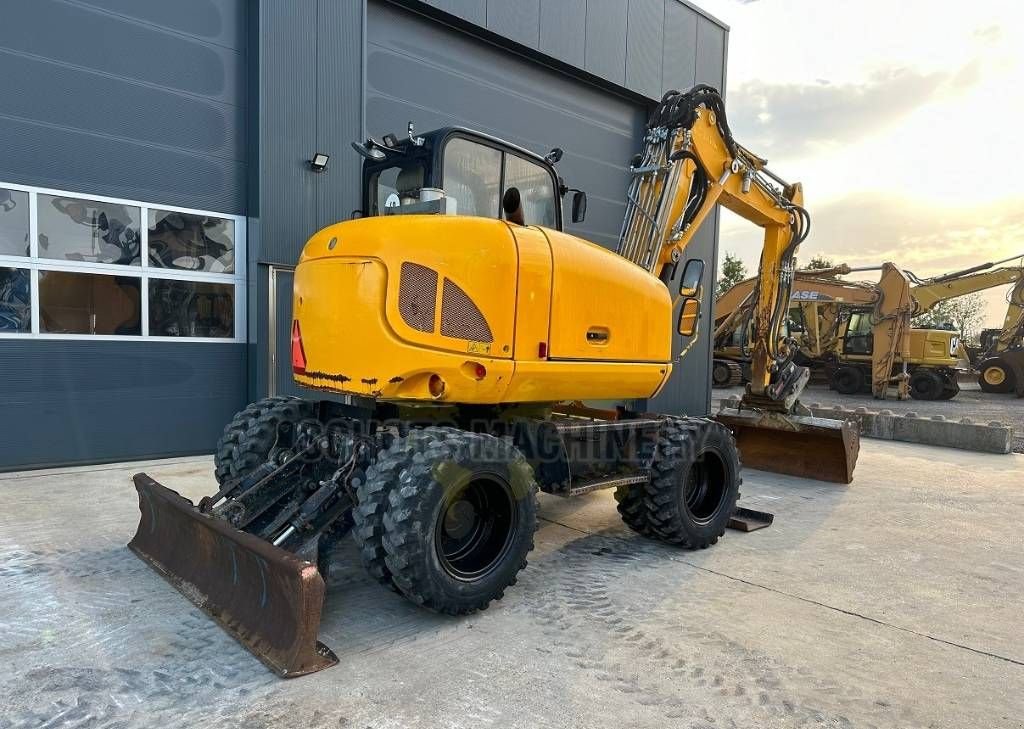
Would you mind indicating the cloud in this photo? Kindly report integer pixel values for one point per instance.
(868, 228)
(791, 119)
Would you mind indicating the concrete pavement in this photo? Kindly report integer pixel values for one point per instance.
(892, 602)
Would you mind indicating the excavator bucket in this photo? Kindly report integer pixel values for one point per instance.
(796, 445)
(267, 598)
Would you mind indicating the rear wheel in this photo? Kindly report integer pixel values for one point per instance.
(926, 385)
(459, 517)
(847, 380)
(695, 480)
(995, 376)
(240, 448)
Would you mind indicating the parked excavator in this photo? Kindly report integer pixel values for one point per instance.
(859, 333)
(452, 350)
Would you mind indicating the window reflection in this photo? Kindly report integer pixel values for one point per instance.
(191, 242)
(191, 309)
(84, 230)
(15, 300)
(536, 190)
(472, 175)
(13, 223)
(89, 303)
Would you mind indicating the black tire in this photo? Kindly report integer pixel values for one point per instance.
(632, 509)
(847, 380)
(926, 385)
(695, 481)
(244, 419)
(256, 444)
(720, 374)
(460, 517)
(368, 514)
(951, 388)
(995, 376)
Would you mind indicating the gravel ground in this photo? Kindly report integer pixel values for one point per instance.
(981, 407)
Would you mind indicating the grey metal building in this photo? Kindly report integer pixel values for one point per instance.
(155, 189)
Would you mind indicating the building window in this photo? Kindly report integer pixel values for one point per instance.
(77, 266)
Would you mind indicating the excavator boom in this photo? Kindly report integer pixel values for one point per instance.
(691, 163)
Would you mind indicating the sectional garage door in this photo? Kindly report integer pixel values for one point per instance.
(418, 69)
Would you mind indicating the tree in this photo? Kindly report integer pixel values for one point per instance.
(819, 262)
(964, 314)
(733, 271)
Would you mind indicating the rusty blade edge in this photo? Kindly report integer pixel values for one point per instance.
(306, 655)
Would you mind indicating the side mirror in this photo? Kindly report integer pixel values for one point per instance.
(688, 317)
(579, 206)
(692, 275)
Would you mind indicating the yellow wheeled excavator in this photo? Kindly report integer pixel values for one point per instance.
(453, 331)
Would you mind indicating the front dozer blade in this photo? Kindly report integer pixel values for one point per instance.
(266, 597)
(796, 445)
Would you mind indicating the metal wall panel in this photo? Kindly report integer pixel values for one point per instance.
(475, 11)
(710, 54)
(679, 56)
(644, 40)
(606, 40)
(475, 84)
(518, 21)
(339, 118)
(123, 106)
(218, 21)
(287, 129)
(69, 402)
(563, 30)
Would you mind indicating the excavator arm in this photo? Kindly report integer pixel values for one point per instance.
(691, 163)
(929, 292)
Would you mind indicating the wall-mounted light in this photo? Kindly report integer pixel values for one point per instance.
(319, 162)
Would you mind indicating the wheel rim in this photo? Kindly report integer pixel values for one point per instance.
(994, 376)
(704, 491)
(476, 526)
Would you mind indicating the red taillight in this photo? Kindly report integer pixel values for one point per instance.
(298, 353)
(542, 350)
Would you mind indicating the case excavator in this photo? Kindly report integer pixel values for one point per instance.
(454, 332)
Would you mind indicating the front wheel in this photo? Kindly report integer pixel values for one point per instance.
(848, 380)
(926, 385)
(994, 376)
(459, 520)
(695, 481)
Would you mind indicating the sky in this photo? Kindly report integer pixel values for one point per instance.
(903, 119)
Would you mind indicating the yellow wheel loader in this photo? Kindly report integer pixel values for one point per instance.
(999, 361)
(454, 332)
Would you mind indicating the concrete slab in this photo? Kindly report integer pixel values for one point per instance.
(892, 602)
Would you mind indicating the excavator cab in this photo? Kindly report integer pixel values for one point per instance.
(459, 171)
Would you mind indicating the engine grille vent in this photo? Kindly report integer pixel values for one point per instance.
(460, 318)
(417, 296)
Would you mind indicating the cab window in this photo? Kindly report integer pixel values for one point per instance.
(477, 175)
(472, 175)
(398, 185)
(536, 190)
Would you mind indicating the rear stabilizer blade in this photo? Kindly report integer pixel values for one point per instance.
(796, 445)
(266, 597)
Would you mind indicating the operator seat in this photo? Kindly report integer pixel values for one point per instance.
(409, 183)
